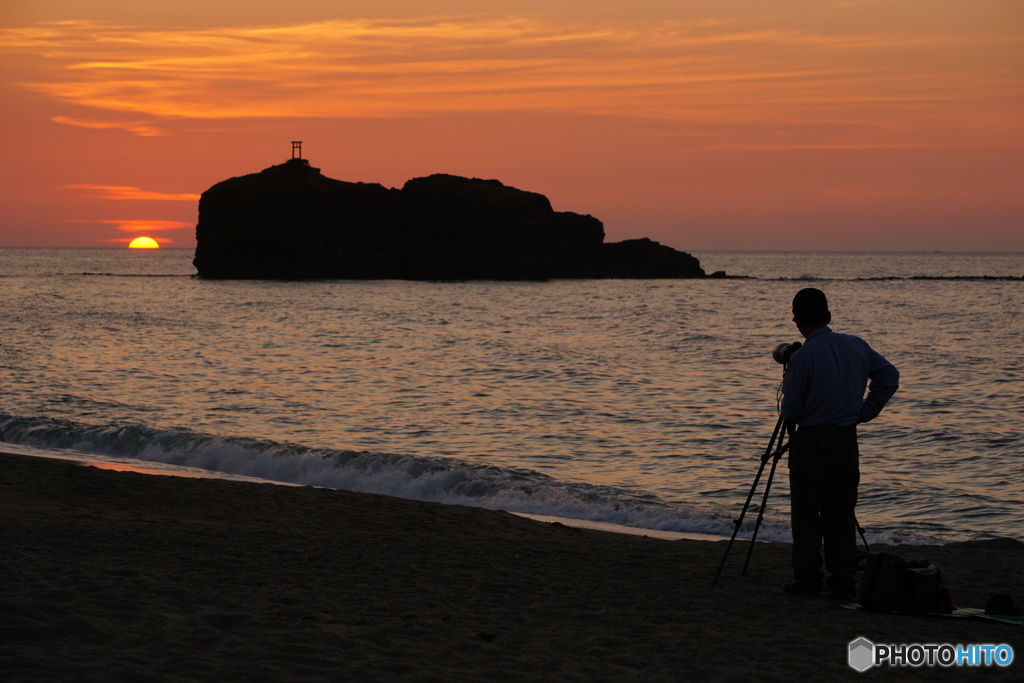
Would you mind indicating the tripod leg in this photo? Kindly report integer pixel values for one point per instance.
(764, 501)
(739, 521)
(860, 530)
(760, 518)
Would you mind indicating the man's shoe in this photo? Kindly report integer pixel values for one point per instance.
(842, 587)
(810, 590)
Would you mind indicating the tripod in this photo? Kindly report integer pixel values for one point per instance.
(774, 453)
(777, 446)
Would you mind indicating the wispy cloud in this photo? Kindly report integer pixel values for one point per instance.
(709, 75)
(126, 192)
(140, 128)
(139, 225)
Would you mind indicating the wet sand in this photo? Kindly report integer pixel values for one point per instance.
(122, 576)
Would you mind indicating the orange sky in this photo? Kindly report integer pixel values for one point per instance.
(705, 124)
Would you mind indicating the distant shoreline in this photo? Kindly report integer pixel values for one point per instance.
(689, 250)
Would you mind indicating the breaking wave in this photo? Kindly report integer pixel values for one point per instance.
(435, 479)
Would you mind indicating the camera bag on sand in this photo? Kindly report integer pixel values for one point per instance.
(891, 584)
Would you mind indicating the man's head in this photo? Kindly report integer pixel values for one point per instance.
(810, 310)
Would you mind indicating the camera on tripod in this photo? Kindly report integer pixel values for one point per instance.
(783, 352)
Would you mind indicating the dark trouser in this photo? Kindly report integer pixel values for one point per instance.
(823, 477)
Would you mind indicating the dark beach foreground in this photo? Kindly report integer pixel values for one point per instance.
(122, 576)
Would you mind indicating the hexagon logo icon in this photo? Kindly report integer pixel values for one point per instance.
(862, 654)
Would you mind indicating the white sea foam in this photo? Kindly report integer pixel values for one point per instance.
(442, 480)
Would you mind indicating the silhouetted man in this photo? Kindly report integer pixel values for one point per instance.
(823, 393)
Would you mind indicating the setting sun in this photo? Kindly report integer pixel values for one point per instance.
(714, 125)
(143, 243)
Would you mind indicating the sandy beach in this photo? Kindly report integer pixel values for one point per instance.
(123, 576)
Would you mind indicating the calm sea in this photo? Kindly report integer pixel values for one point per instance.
(643, 403)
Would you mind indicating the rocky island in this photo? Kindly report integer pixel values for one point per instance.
(290, 221)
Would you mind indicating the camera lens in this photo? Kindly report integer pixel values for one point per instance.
(783, 352)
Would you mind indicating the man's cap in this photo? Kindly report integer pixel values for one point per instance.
(810, 305)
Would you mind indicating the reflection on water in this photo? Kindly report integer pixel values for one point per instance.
(663, 388)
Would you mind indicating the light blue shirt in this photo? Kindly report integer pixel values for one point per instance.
(826, 379)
